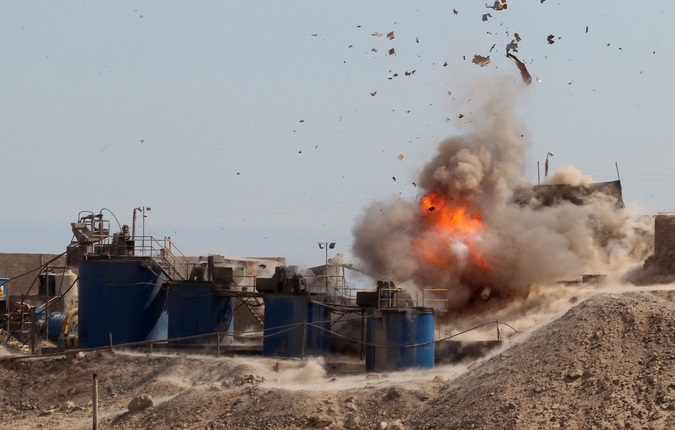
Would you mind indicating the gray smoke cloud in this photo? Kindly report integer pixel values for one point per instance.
(523, 240)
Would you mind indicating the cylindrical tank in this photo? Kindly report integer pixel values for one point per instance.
(400, 339)
(123, 298)
(285, 318)
(197, 308)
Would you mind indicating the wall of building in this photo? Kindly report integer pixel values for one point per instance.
(14, 264)
(664, 235)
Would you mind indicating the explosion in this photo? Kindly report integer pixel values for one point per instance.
(481, 227)
(456, 225)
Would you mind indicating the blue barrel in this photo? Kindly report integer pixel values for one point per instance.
(197, 308)
(285, 316)
(122, 297)
(399, 339)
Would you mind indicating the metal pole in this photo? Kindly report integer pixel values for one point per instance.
(326, 267)
(33, 334)
(46, 281)
(304, 340)
(363, 319)
(217, 344)
(133, 225)
(143, 230)
(95, 403)
(110, 337)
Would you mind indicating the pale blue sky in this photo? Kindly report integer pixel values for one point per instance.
(195, 109)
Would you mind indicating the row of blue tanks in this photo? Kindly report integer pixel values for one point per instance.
(124, 300)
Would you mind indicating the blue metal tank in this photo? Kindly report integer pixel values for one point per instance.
(122, 297)
(399, 339)
(285, 316)
(199, 308)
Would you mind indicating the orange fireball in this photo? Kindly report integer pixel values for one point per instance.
(453, 225)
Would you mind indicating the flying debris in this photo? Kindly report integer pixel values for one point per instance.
(376, 34)
(527, 78)
(492, 47)
(410, 73)
(550, 39)
(392, 51)
(461, 115)
(400, 157)
(394, 178)
(499, 5)
(374, 49)
(486, 16)
(586, 29)
(390, 35)
(480, 60)
(417, 40)
(445, 64)
(455, 11)
(513, 46)
(517, 36)
(373, 93)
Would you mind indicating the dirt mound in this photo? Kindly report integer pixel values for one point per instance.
(607, 363)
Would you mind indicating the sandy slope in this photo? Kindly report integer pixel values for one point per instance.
(607, 363)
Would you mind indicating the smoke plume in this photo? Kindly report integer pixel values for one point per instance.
(482, 230)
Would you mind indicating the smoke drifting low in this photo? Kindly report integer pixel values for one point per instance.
(481, 228)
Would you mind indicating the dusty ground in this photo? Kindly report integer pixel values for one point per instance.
(607, 363)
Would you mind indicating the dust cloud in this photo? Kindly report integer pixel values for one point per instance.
(512, 236)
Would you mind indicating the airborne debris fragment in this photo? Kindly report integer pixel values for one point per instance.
(376, 34)
(480, 60)
(513, 46)
(527, 78)
(417, 40)
(492, 47)
(392, 51)
(400, 157)
(373, 93)
(445, 64)
(499, 5)
(586, 29)
(461, 115)
(517, 36)
(455, 11)
(550, 39)
(390, 35)
(486, 16)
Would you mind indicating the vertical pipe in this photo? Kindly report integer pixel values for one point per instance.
(46, 281)
(33, 334)
(304, 339)
(95, 403)
(110, 338)
(218, 344)
(363, 320)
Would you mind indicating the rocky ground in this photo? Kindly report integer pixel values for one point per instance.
(607, 363)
